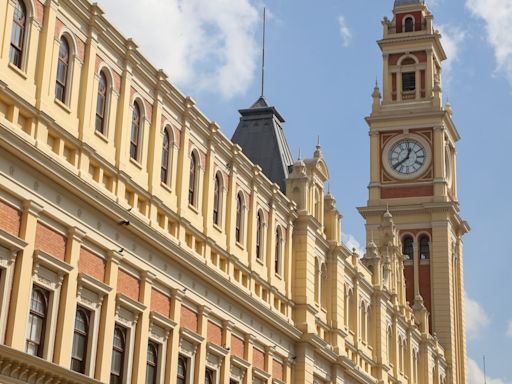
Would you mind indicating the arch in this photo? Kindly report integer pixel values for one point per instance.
(408, 247)
(193, 181)
(278, 257)
(239, 222)
(137, 125)
(18, 34)
(102, 101)
(408, 59)
(218, 198)
(166, 161)
(424, 246)
(260, 234)
(409, 23)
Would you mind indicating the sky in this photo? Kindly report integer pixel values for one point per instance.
(322, 62)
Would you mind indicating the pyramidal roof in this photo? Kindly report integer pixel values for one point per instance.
(261, 136)
(408, 2)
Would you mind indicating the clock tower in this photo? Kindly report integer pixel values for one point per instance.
(413, 174)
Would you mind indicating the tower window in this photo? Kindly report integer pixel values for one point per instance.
(408, 248)
(61, 83)
(80, 336)
(424, 248)
(18, 34)
(409, 81)
(409, 24)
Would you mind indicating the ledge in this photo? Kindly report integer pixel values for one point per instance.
(51, 262)
(191, 336)
(130, 304)
(239, 362)
(162, 321)
(11, 242)
(93, 284)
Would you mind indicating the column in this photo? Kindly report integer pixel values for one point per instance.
(184, 158)
(173, 342)
(269, 360)
(225, 372)
(67, 303)
(21, 287)
(249, 350)
(386, 79)
(106, 328)
(374, 187)
(200, 357)
(156, 141)
(142, 331)
(209, 180)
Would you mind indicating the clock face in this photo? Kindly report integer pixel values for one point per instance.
(407, 156)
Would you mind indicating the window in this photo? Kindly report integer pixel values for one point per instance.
(118, 352)
(259, 236)
(408, 248)
(192, 182)
(409, 24)
(408, 82)
(182, 370)
(217, 199)
(80, 336)
(37, 321)
(18, 34)
(277, 262)
(101, 103)
(209, 376)
(61, 83)
(424, 248)
(166, 147)
(238, 222)
(152, 363)
(136, 130)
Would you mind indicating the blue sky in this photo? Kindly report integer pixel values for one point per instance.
(322, 63)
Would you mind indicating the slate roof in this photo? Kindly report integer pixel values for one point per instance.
(408, 2)
(261, 136)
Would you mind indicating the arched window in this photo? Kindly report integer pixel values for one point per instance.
(101, 103)
(409, 24)
(317, 205)
(80, 337)
(347, 304)
(424, 247)
(151, 363)
(166, 150)
(317, 281)
(363, 322)
(217, 199)
(209, 376)
(61, 83)
(259, 236)
(118, 353)
(390, 345)
(135, 132)
(239, 218)
(182, 370)
(19, 23)
(408, 247)
(278, 251)
(192, 181)
(37, 321)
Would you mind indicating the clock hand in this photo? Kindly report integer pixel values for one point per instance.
(403, 160)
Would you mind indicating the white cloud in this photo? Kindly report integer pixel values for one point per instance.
(509, 329)
(497, 15)
(346, 34)
(208, 45)
(476, 318)
(352, 243)
(476, 374)
(452, 38)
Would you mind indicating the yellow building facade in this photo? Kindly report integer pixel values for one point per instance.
(138, 244)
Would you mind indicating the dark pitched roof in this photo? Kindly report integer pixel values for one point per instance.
(408, 2)
(261, 136)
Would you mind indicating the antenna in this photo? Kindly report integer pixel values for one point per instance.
(485, 373)
(263, 53)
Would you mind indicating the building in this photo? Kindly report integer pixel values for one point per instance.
(138, 244)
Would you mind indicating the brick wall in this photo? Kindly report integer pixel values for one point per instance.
(277, 370)
(409, 283)
(237, 347)
(10, 219)
(91, 264)
(188, 319)
(258, 359)
(128, 285)
(160, 303)
(51, 242)
(214, 333)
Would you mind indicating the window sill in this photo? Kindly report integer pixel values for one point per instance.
(278, 275)
(19, 71)
(166, 187)
(260, 261)
(136, 163)
(101, 136)
(239, 245)
(63, 106)
(193, 208)
(216, 226)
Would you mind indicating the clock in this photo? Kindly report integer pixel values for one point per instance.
(406, 156)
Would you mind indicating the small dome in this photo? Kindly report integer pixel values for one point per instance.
(408, 2)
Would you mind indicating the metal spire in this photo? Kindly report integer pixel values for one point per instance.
(263, 53)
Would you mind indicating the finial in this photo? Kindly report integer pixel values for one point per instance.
(299, 158)
(263, 53)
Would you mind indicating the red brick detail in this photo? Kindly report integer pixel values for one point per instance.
(58, 28)
(10, 219)
(258, 359)
(97, 65)
(51, 242)
(393, 58)
(421, 56)
(160, 303)
(417, 20)
(393, 86)
(80, 49)
(177, 137)
(188, 319)
(409, 283)
(422, 76)
(237, 347)
(415, 232)
(117, 81)
(277, 370)
(39, 14)
(399, 192)
(128, 285)
(214, 333)
(132, 93)
(91, 264)
(149, 110)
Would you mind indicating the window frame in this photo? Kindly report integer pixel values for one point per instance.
(166, 160)
(405, 247)
(154, 364)
(405, 24)
(278, 257)
(410, 76)
(86, 335)
(20, 47)
(124, 333)
(260, 236)
(106, 103)
(44, 317)
(64, 84)
(193, 180)
(183, 379)
(239, 218)
(421, 238)
(136, 131)
(217, 199)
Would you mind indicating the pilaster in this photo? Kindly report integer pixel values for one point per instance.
(173, 341)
